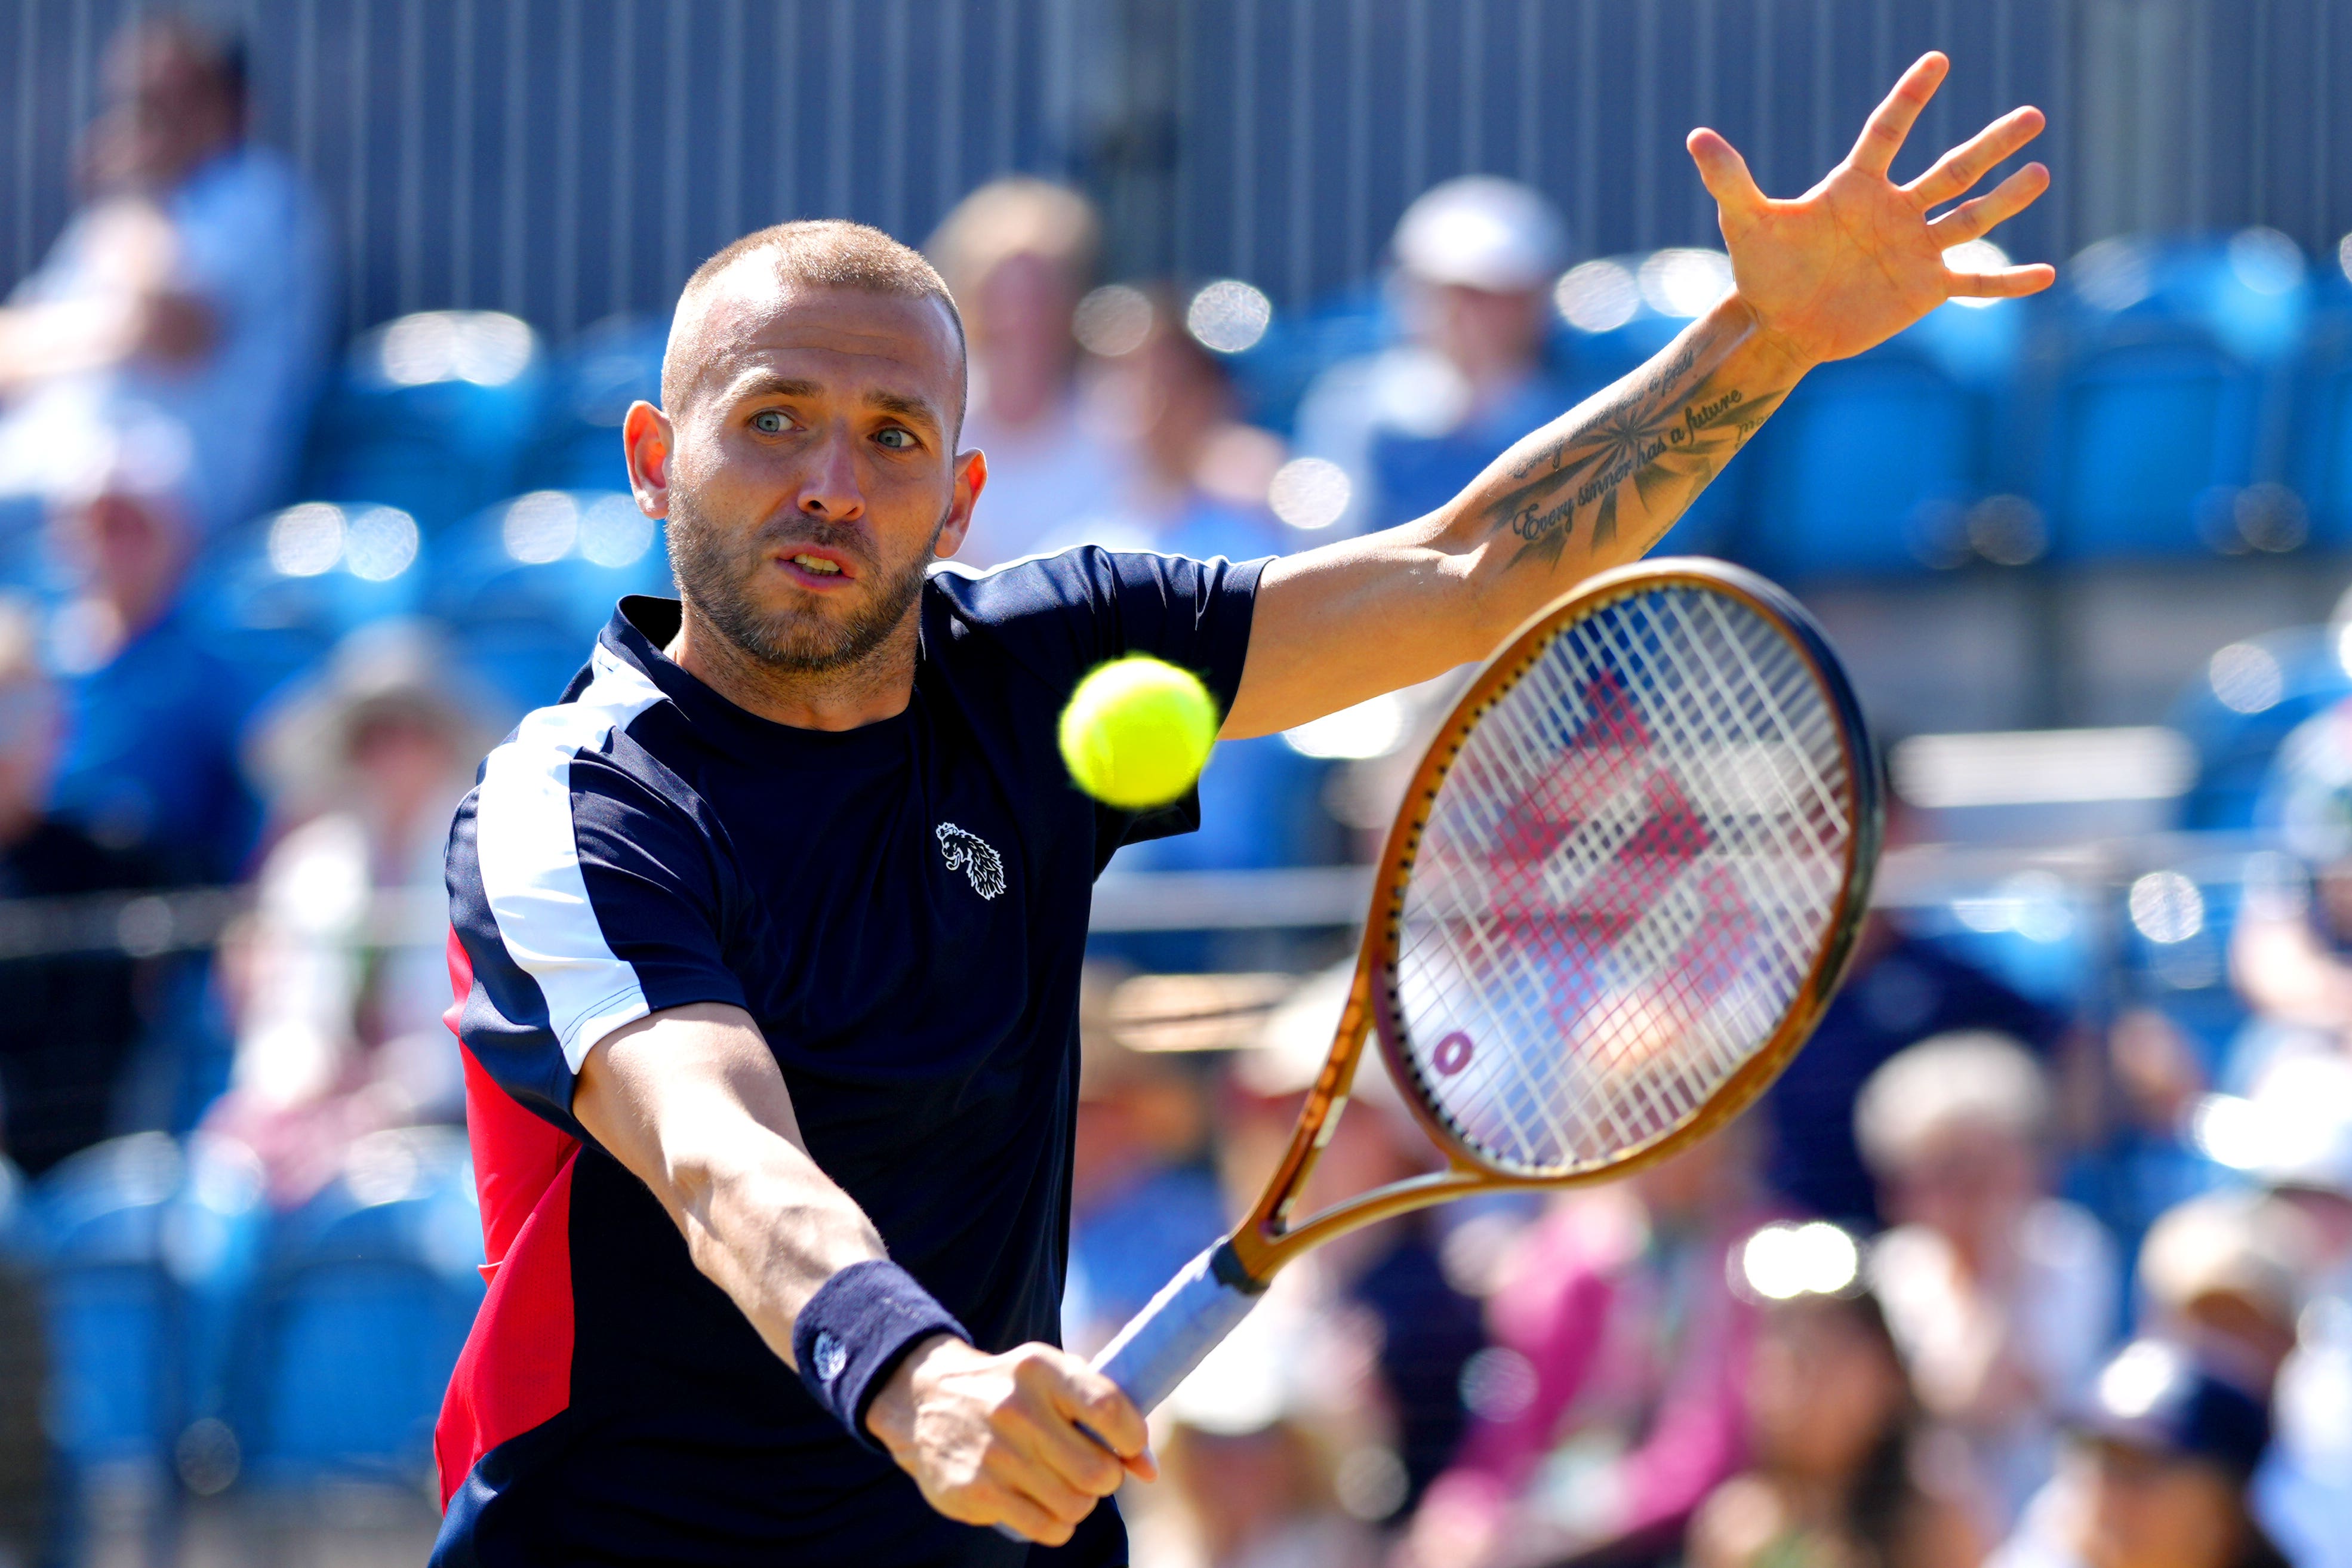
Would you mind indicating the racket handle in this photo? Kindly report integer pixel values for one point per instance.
(1175, 1330)
(1182, 1325)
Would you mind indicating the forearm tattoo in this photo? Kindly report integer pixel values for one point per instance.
(1666, 437)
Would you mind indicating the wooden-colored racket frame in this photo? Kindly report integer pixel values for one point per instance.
(1268, 1239)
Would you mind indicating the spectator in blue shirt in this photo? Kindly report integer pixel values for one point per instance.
(1412, 425)
(188, 294)
(154, 712)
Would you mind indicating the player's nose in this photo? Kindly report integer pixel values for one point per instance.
(828, 485)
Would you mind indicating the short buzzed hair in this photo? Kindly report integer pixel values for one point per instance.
(825, 252)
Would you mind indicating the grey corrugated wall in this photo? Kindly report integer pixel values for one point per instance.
(565, 158)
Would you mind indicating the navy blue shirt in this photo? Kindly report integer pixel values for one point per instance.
(902, 908)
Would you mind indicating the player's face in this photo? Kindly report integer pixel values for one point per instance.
(813, 474)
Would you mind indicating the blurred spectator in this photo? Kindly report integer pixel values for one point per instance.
(187, 296)
(1144, 1197)
(1899, 989)
(1608, 1405)
(72, 1017)
(1200, 478)
(1198, 489)
(2000, 1296)
(1249, 1483)
(154, 711)
(2301, 1112)
(1381, 1299)
(1475, 259)
(2223, 1274)
(2155, 1475)
(338, 1002)
(2291, 947)
(1017, 254)
(1842, 1470)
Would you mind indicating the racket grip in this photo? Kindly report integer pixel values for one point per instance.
(1174, 1333)
(1180, 1326)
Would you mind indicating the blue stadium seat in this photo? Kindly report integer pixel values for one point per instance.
(284, 590)
(529, 583)
(2163, 415)
(2321, 462)
(410, 474)
(2249, 293)
(114, 1308)
(432, 411)
(366, 1299)
(2149, 444)
(609, 366)
(1865, 471)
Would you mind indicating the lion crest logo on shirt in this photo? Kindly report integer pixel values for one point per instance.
(968, 852)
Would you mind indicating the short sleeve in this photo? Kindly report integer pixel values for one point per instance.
(1061, 614)
(585, 897)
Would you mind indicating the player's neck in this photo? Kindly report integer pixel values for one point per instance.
(876, 688)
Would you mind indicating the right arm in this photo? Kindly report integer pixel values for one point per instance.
(690, 1100)
(141, 310)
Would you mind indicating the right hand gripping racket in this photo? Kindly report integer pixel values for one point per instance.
(1622, 890)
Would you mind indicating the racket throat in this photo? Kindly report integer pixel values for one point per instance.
(1264, 1242)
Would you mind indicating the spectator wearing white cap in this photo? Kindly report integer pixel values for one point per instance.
(1475, 260)
(2000, 1295)
(337, 989)
(2162, 1446)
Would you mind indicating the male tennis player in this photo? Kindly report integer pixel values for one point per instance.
(767, 937)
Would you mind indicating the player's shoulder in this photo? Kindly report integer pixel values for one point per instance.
(597, 722)
(1059, 581)
(1075, 580)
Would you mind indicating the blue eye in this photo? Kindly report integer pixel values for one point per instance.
(768, 421)
(896, 440)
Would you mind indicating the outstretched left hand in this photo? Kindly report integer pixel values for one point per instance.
(1857, 259)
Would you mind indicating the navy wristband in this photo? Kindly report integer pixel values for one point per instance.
(855, 1329)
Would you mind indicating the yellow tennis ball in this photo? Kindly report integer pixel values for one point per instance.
(1138, 732)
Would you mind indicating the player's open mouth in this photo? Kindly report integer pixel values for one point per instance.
(816, 568)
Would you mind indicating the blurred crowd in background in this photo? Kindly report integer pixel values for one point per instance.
(2040, 1255)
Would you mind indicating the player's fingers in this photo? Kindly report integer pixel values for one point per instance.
(1043, 1426)
(1883, 134)
(1016, 1510)
(1105, 1410)
(1964, 165)
(2004, 283)
(1058, 1500)
(1973, 220)
(1725, 174)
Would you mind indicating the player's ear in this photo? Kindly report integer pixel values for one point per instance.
(971, 478)
(647, 440)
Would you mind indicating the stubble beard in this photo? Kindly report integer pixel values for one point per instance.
(714, 575)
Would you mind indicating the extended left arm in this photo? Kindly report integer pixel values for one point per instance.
(1849, 263)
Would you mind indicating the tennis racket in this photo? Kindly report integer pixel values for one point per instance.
(1622, 889)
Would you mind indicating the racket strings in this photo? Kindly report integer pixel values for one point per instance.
(1624, 882)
